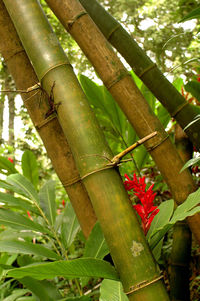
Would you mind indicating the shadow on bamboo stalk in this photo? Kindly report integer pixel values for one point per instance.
(49, 129)
(132, 257)
(120, 84)
(145, 69)
(181, 247)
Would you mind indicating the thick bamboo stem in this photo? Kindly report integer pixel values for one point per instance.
(117, 80)
(145, 69)
(122, 231)
(181, 247)
(51, 133)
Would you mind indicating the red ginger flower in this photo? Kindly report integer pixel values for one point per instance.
(146, 209)
(11, 160)
(198, 77)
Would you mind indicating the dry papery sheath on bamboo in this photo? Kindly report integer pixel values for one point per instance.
(120, 84)
(50, 130)
(145, 69)
(122, 231)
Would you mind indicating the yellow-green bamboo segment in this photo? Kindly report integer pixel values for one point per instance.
(145, 69)
(122, 231)
(51, 133)
(179, 271)
(120, 84)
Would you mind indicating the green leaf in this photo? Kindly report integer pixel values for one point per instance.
(112, 290)
(6, 166)
(81, 298)
(194, 14)
(160, 220)
(44, 290)
(16, 294)
(23, 186)
(178, 83)
(30, 167)
(96, 245)
(14, 202)
(83, 267)
(47, 200)
(188, 208)
(27, 248)
(19, 222)
(70, 225)
(194, 88)
(189, 163)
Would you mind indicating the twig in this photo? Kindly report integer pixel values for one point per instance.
(30, 89)
(116, 159)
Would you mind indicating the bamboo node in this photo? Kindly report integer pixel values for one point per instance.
(14, 54)
(143, 284)
(179, 108)
(117, 79)
(71, 22)
(149, 149)
(54, 67)
(112, 31)
(45, 121)
(72, 181)
(147, 70)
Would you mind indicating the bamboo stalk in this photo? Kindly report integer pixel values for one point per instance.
(181, 247)
(117, 80)
(145, 69)
(51, 133)
(122, 231)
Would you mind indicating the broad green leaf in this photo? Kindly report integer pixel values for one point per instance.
(188, 208)
(26, 298)
(194, 161)
(6, 166)
(70, 225)
(10, 234)
(112, 291)
(24, 186)
(30, 167)
(194, 88)
(14, 202)
(19, 222)
(27, 248)
(178, 83)
(96, 245)
(47, 200)
(44, 290)
(194, 14)
(83, 267)
(81, 298)
(160, 220)
(162, 217)
(192, 200)
(16, 294)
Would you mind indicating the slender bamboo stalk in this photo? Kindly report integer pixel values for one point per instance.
(181, 247)
(122, 231)
(51, 133)
(117, 80)
(145, 69)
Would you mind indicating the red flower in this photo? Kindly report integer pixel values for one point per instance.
(63, 203)
(29, 215)
(11, 160)
(146, 209)
(198, 78)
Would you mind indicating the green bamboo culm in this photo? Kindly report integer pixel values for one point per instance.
(122, 231)
(50, 131)
(120, 84)
(145, 69)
